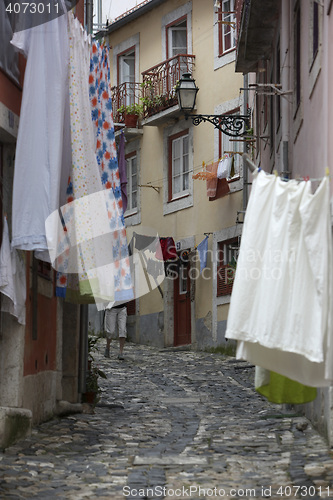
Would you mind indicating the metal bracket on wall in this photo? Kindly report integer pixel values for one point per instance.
(157, 188)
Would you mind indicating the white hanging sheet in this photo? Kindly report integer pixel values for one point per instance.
(40, 160)
(12, 279)
(279, 310)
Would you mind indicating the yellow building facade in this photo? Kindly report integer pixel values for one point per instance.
(150, 48)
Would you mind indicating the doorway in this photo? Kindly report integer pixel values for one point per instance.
(182, 305)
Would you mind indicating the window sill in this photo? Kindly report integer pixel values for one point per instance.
(233, 179)
(129, 213)
(180, 197)
(226, 52)
(223, 299)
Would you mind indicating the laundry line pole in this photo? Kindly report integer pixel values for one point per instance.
(249, 163)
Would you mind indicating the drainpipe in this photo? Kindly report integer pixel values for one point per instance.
(245, 172)
(285, 81)
(89, 9)
(83, 354)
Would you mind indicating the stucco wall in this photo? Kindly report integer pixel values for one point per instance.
(11, 362)
(219, 92)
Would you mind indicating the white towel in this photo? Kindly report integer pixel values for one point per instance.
(12, 279)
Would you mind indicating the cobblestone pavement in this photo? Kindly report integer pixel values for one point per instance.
(174, 424)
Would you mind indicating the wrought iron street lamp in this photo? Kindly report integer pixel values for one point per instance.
(232, 125)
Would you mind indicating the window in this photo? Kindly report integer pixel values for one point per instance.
(226, 26)
(132, 183)
(178, 165)
(226, 265)
(177, 38)
(183, 279)
(177, 31)
(297, 55)
(227, 145)
(177, 44)
(126, 74)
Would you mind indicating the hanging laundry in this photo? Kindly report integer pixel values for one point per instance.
(122, 170)
(203, 250)
(93, 251)
(204, 174)
(142, 242)
(281, 269)
(282, 390)
(41, 163)
(155, 268)
(224, 166)
(113, 176)
(12, 278)
(167, 250)
(212, 183)
(85, 218)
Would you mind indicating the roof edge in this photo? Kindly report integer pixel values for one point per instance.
(140, 11)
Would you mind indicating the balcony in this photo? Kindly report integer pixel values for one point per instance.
(158, 88)
(256, 25)
(155, 96)
(126, 95)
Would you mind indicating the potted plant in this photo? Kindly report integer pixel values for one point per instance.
(92, 393)
(131, 114)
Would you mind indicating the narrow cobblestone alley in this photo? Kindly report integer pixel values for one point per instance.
(174, 424)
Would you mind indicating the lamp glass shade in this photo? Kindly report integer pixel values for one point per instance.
(186, 92)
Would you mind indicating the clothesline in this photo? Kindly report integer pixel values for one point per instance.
(253, 167)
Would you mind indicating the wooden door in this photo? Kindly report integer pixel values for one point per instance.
(182, 306)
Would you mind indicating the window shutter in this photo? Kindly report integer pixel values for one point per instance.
(131, 308)
(225, 280)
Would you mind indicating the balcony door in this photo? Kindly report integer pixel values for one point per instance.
(126, 76)
(177, 39)
(177, 44)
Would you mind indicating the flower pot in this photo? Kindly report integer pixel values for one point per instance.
(89, 397)
(131, 121)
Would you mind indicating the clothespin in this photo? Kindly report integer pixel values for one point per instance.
(259, 169)
(275, 172)
(327, 171)
(306, 179)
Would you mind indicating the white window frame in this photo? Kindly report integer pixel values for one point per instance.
(232, 28)
(171, 17)
(237, 180)
(131, 43)
(133, 216)
(182, 173)
(228, 145)
(130, 191)
(229, 56)
(184, 200)
(170, 38)
(130, 97)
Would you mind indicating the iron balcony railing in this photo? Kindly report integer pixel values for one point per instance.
(157, 90)
(124, 96)
(158, 83)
